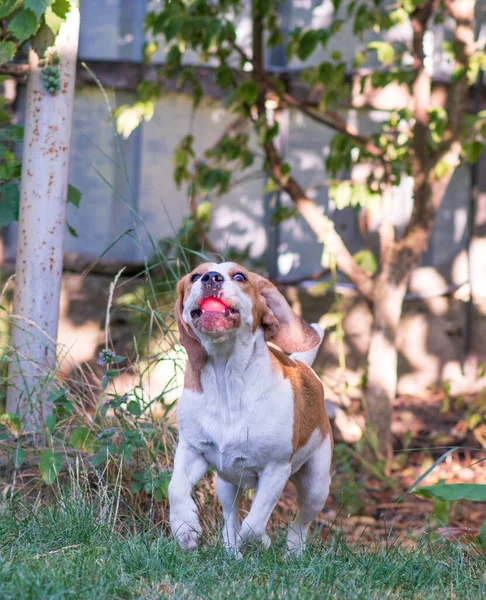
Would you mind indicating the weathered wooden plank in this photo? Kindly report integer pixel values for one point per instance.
(127, 75)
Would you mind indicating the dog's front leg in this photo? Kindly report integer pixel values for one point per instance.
(229, 495)
(189, 467)
(270, 485)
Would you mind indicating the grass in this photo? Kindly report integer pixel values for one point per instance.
(65, 550)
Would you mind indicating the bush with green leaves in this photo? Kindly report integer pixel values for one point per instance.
(105, 432)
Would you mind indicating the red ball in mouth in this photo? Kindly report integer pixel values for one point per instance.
(213, 305)
(214, 316)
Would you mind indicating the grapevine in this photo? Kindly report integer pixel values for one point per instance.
(51, 76)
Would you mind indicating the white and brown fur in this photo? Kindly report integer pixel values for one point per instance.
(250, 411)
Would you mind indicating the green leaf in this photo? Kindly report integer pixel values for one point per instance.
(441, 510)
(441, 169)
(450, 492)
(384, 51)
(270, 186)
(449, 48)
(264, 7)
(224, 76)
(341, 194)
(282, 213)
(7, 51)
(129, 118)
(43, 40)
(473, 151)
(359, 59)
(50, 464)
(38, 7)
(23, 25)
(173, 56)
(482, 534)
(7, 7)
(272, 132)
(134, 408)
(9, 204)
(82, 437)
(410, 5)
(4, 117)
(203, 212)
(136, 487)
(148, 50)
(105, 380)
(197, 94)
(285, 172)
(72, 231)
(51, 423)
(73, 195)
(158, 495)
(457, 72)
(12, 423)
(367, 261)
(172, 27)
(61, 8)
(308, 44)
(248, 91)
(19, 457)
(12, 133)
(53, 21)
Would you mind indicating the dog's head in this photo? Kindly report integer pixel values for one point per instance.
(219, 302)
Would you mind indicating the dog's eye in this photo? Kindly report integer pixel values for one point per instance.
(239, 277)
(195, 277)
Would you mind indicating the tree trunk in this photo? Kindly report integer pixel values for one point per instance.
(382, 375)
(42, 223)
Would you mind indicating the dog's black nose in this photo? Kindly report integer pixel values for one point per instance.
(212, 277)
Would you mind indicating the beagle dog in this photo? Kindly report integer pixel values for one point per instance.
(252, 411)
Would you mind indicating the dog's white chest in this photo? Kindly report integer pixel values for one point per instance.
(234, 459)
(241, 437)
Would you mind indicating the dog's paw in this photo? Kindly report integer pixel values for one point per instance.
(254, 533)
(187, 535)
(233, 551)
(295, 543)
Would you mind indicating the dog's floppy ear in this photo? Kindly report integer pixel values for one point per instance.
(196, 353)
(285, 328)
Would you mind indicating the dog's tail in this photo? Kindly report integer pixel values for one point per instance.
(309, 356)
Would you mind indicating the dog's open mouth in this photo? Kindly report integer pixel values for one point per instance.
(213, 306)
(214, 315)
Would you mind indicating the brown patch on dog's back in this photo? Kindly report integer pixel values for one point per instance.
(309, 406)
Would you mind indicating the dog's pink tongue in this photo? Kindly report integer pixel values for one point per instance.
(213, 305)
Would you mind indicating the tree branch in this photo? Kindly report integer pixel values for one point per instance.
(421, 86)
(329, 119)
(18, 71)
(321, 225)
(429, 189)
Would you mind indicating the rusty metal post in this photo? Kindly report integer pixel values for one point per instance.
(42, 222)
